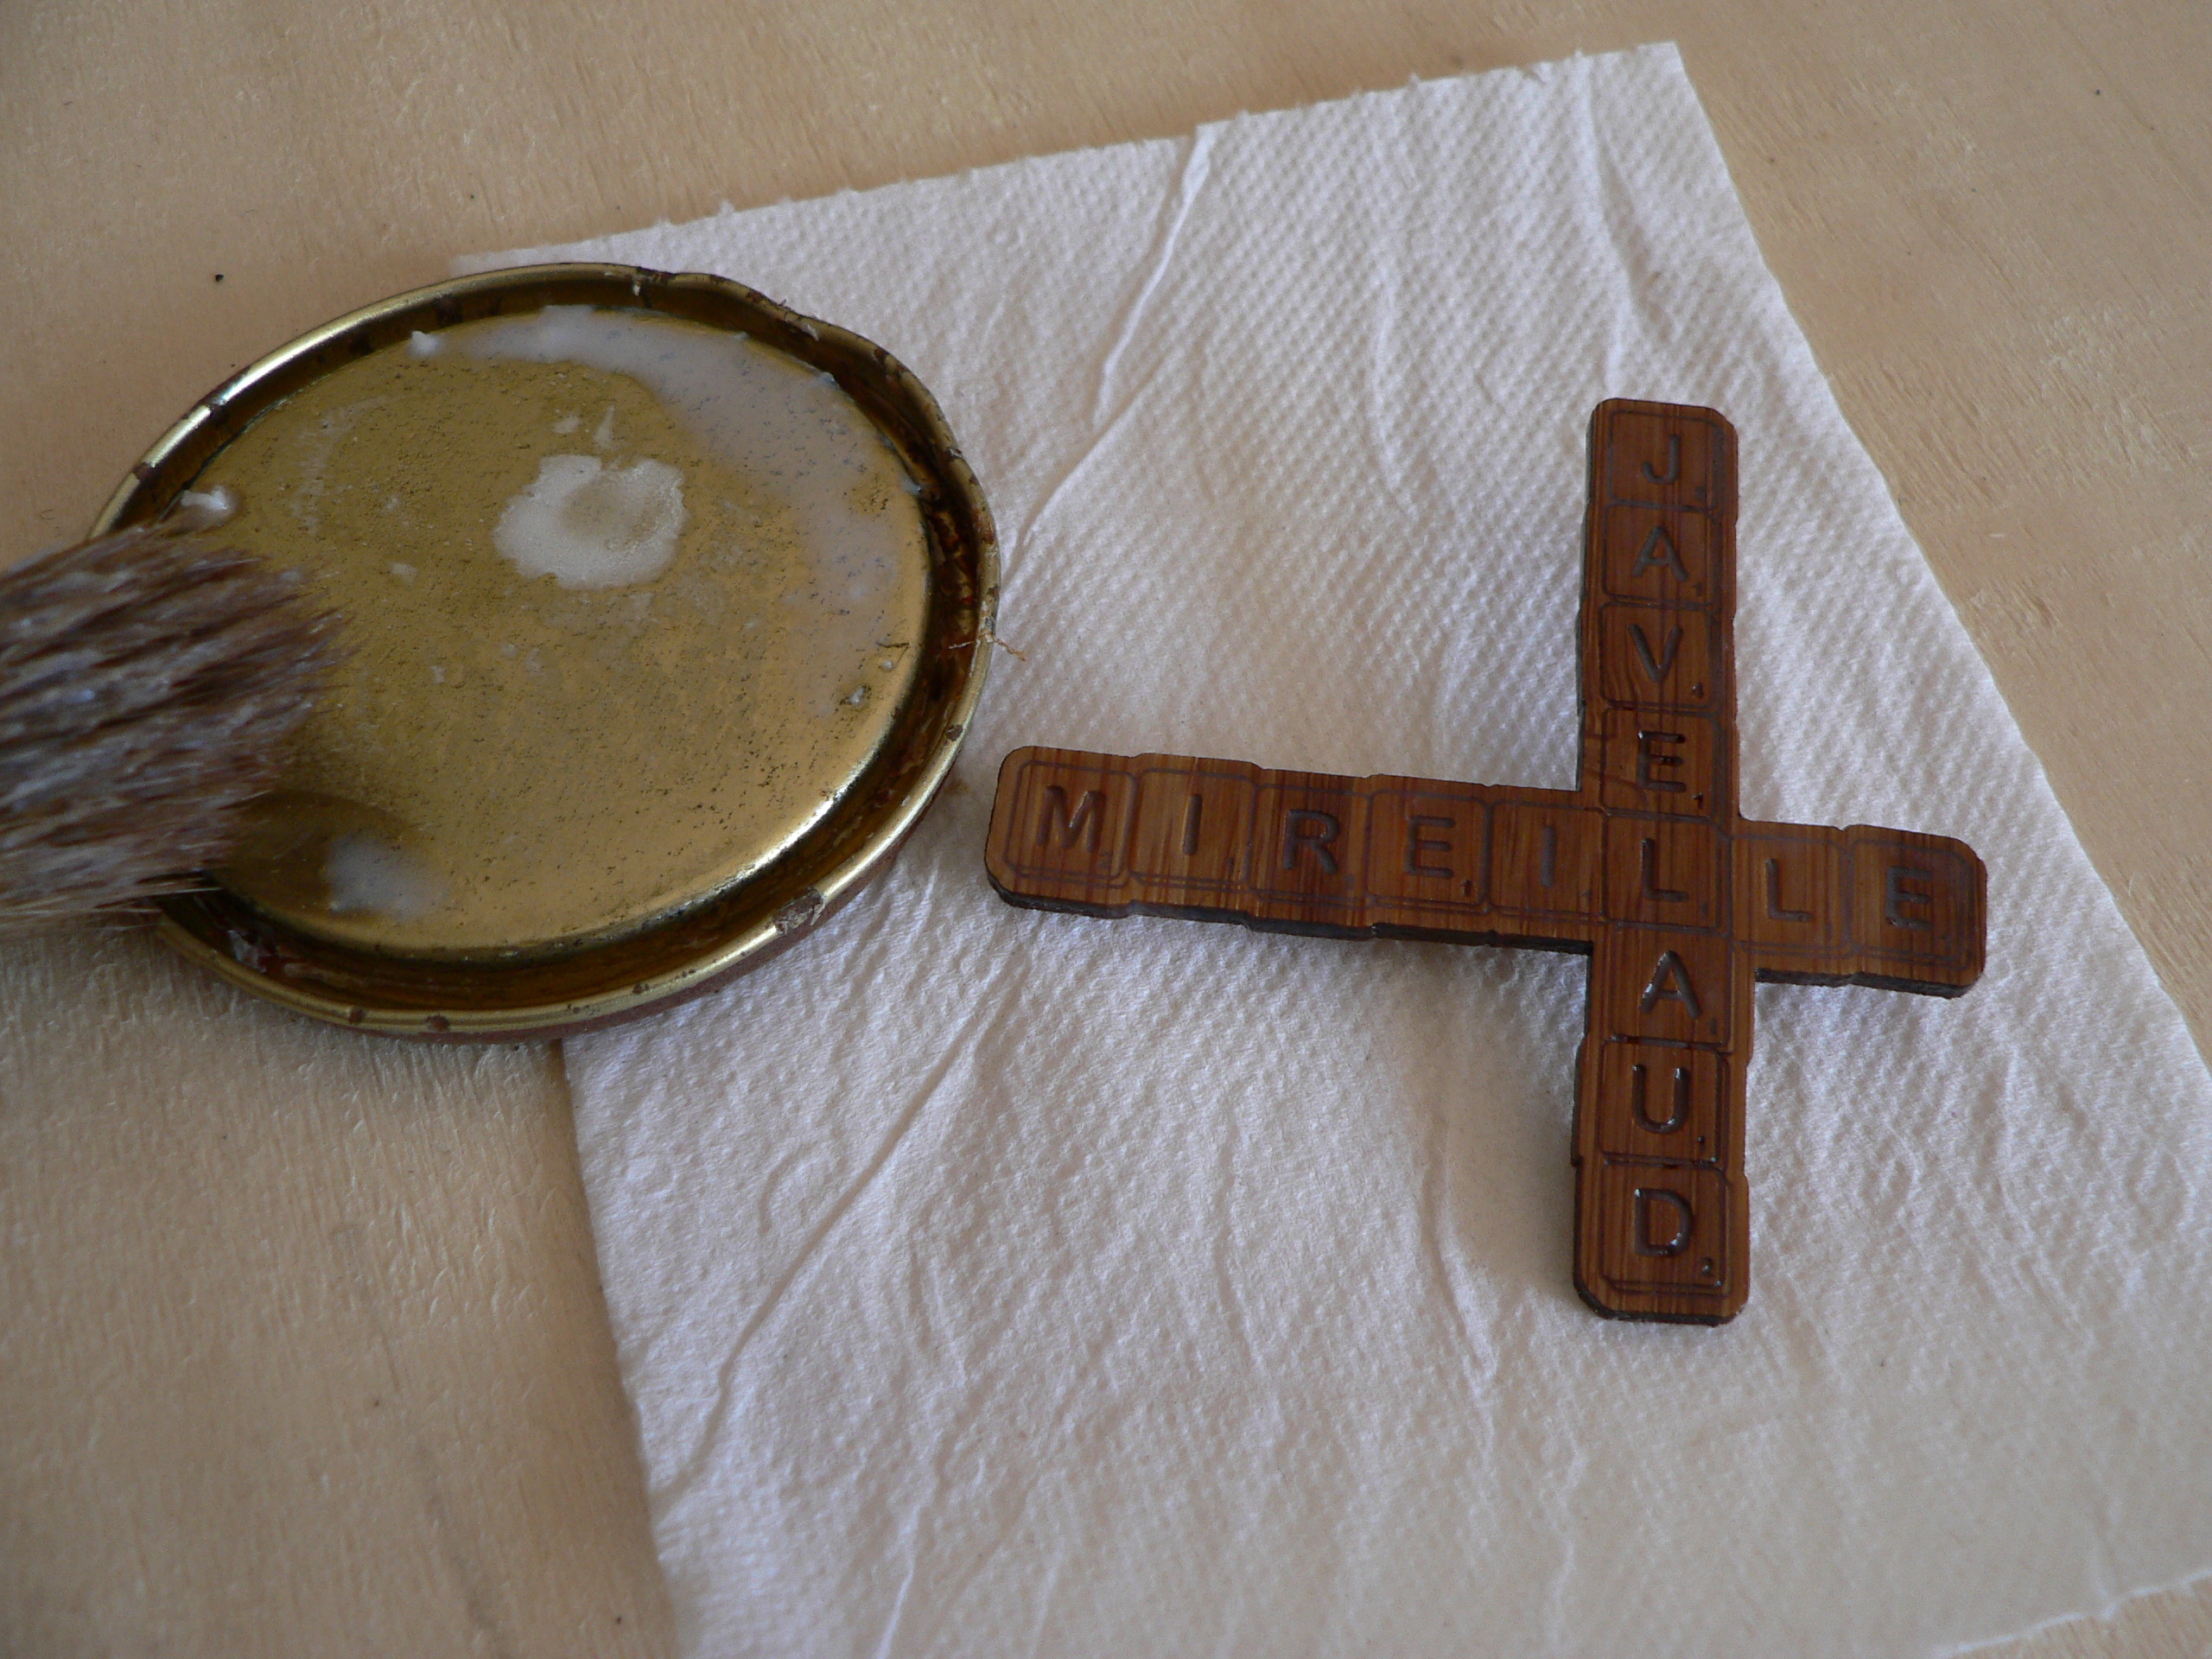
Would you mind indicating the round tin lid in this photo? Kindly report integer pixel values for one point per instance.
(664, 606)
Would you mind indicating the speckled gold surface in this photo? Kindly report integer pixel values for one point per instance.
(531, 763)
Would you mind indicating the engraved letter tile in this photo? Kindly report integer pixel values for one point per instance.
(1656, 760)
(1916, 912)
(1653, 982)
(1068, 814)
(1655, 657)
(1544, 860)
(1311, 839)
(1424, 849)
(1661, 459)
(1190, 829)
(1665, 870)
(1663, 558)
(1658, 1101)
(1790, 906)
(1664, 1228)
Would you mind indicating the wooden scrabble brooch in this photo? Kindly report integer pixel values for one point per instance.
(1649, 868)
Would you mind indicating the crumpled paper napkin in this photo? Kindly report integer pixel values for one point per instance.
(989, 1281)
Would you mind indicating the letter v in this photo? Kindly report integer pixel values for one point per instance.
(1656, 668)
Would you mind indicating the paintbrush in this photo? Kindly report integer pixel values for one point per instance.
(149, 682)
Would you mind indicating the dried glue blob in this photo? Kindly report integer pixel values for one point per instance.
(587, 525)
(365, 874)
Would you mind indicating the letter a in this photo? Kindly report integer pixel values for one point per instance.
(1670, 979)
(1660, 552)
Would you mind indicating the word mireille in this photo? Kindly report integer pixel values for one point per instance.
(1648, 867)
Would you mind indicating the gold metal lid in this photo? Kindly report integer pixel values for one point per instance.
(667, 609)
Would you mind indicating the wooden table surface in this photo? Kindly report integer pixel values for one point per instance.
(302, 1342)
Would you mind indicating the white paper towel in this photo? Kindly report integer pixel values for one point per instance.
(989, 1281)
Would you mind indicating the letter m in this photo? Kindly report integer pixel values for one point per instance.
(1089, 813)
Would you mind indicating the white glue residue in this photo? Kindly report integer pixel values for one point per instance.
(422, 345)
(587, 525)
(209, 507)
(790, 427)
(365, 874)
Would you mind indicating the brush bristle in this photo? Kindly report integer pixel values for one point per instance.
(148, 682)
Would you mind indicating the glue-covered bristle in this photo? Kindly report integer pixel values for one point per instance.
(148, 683)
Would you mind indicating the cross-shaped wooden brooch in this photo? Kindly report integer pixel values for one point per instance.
(1649, 868)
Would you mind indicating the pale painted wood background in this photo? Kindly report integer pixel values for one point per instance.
(302, 1346)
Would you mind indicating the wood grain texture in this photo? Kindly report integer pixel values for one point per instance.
(1989, 220)
(1649, 868)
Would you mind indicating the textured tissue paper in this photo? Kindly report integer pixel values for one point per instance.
(991, 1282)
